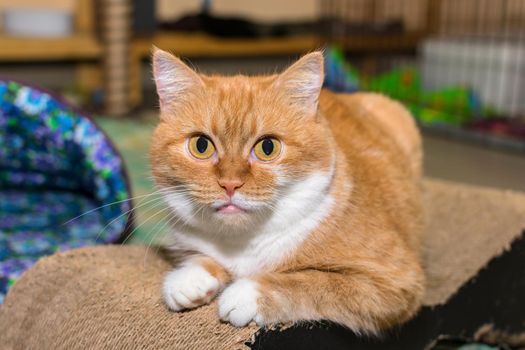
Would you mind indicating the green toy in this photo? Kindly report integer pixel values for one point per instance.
(453, 105)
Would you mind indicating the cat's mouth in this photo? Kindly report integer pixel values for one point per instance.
(230, 208)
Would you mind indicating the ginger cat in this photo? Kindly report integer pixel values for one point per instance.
(290, 202)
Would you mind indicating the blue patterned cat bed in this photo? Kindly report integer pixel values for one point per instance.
(55, 165)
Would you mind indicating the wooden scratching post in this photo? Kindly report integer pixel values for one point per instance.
(116, 33)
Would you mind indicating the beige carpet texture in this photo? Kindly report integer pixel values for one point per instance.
(109, 297)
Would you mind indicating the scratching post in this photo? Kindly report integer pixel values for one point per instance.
(116, 32)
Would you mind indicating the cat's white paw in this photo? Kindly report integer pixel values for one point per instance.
(189, 286)
(238, 303)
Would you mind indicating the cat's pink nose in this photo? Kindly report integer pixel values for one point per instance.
(230, 185)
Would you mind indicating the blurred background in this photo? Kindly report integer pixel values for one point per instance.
(458, 65)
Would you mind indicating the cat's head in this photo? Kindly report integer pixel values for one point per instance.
(235, 153)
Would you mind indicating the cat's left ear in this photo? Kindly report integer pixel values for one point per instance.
(302, 82)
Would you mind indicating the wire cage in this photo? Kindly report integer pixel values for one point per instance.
(456, 62)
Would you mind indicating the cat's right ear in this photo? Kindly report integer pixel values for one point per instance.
(173, 78)
(302, 82)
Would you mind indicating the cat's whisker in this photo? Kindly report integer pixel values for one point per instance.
(128, 236)
(154, 234)
(169, 221)
(179, 190)
(202, 214)
(107, 205)
(146, 220)
(128, 212)
(187, 220)
(170, 186)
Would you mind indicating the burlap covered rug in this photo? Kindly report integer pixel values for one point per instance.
(109, 297)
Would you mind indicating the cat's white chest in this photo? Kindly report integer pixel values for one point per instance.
(260, 254)
(244, 260)
(297, 214)
(243, 257)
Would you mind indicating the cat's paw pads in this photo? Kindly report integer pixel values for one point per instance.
(188, 287)
(238, 303)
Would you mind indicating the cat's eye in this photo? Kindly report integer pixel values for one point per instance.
(267, 149)
(201, 147)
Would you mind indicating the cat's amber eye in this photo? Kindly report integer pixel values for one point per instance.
(201, 147)
(267, 149)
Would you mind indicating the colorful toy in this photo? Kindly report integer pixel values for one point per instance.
(452, 105)
(340, 76)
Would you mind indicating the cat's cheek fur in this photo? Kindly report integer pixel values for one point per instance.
(238, 304)
(189, 286)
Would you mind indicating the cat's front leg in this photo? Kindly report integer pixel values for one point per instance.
(193, 283)
(358, 300)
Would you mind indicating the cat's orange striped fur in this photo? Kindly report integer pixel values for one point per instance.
(327, 230)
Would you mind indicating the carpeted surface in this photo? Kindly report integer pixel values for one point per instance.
(465, 227)
(109, 297)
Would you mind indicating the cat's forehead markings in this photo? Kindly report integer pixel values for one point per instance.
(235, 82)
(235, 114)
(235, 105)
